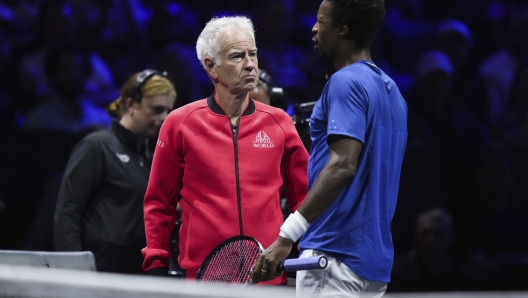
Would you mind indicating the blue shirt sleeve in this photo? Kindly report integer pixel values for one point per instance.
(347, 107)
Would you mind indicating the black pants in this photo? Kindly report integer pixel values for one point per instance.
(120, 259)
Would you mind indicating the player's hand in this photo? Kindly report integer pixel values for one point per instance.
(267, 266)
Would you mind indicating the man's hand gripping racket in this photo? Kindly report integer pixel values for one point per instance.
(239, 260)
(272, 261)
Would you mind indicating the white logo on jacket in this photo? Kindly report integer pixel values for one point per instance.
(262, 141)
(123, 157)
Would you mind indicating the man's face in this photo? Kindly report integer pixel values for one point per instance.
(238, 69)
(325, 32)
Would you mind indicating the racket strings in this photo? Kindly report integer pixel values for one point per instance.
(232, 264)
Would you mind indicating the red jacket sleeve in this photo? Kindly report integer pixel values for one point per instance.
(294, 165)
(162, 194)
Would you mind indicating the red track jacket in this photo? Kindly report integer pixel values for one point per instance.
(221, 176)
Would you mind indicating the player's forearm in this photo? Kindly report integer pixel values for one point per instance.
(329, 183)
(332, 179)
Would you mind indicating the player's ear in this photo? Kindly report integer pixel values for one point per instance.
(210, 68)
(129, 104)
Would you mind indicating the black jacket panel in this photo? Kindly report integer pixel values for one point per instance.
(100, 203)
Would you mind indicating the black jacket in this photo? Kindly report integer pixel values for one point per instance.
(100, 202)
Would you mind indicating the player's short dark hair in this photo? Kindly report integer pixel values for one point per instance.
(363, 17)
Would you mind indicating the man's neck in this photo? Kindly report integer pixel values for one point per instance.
(350, 57)
(233, 105)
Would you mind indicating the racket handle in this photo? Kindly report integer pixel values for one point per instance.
(303, 264)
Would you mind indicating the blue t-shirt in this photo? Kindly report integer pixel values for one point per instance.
(360, 101)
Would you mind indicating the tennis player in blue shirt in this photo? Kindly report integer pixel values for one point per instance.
(359, 132)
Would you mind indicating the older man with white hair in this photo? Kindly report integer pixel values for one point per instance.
(224, 159)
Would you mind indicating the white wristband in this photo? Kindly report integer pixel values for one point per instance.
(294, 226)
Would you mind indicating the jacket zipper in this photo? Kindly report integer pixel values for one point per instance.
(138, 153)
(234, 130)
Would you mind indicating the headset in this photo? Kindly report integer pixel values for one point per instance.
(275, 93)
(141, 79)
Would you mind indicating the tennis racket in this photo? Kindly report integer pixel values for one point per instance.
(232, 261)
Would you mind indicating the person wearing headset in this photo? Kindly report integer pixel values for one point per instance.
(267, 92)
(100, 202)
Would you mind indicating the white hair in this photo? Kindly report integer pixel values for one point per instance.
(208, 43)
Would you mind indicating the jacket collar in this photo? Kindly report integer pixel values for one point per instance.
(124, 135)
(213, 106)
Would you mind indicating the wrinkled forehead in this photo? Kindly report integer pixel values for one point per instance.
(236, 39)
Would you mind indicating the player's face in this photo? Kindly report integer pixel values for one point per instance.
(238, 69)
(325, 32)
(150, 113)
